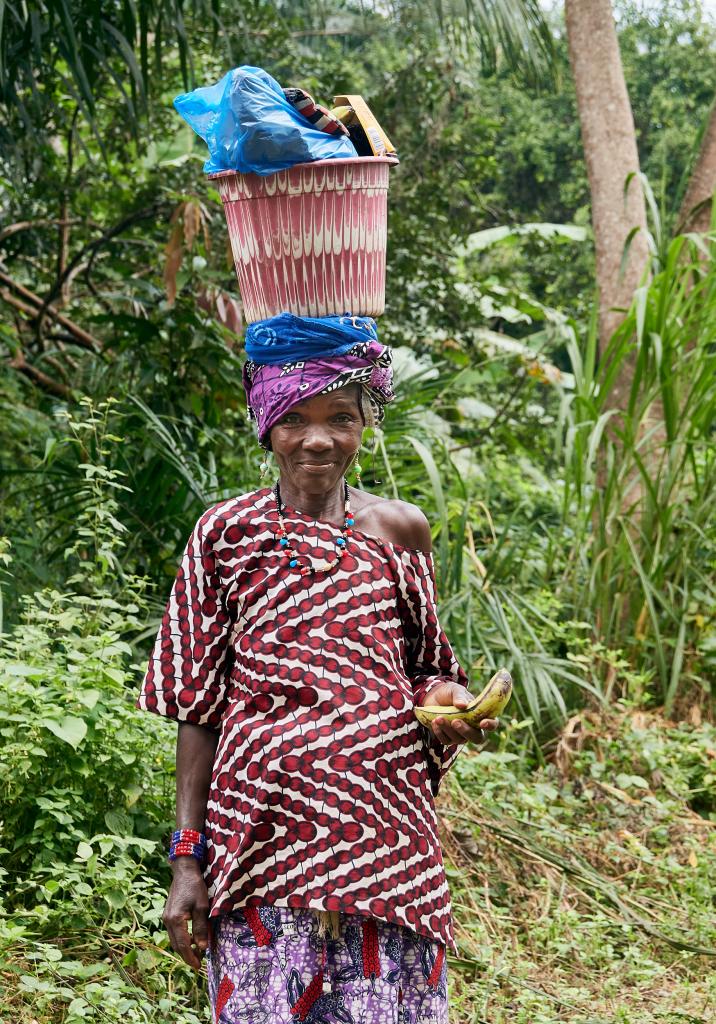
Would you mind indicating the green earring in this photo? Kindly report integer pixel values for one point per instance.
(357, 469)
(264, 465)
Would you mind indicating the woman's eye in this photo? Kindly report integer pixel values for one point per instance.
(343, 417)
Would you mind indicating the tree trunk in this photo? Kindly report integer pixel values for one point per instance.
(695, 213)
(610, 151)
(618, 217)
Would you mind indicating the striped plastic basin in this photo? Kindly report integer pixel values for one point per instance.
(309, 240)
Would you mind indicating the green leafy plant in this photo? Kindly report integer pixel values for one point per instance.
(491, 571)
(640, 494)
(85, 804)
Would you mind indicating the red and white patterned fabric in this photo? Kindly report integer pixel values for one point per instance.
(323, 784)
(318, 116)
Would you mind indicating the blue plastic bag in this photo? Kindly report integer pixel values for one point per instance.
(249, 125)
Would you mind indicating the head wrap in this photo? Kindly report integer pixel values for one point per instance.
(293, 358)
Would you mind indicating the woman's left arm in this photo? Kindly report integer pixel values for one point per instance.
(436, 675)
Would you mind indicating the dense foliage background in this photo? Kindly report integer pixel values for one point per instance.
(581, 851)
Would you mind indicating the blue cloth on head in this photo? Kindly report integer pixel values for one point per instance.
(249, 125)
(287, 338)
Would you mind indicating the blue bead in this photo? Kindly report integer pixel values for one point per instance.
(293, 563)
(340, 542)
(350, 522)
(283, 542)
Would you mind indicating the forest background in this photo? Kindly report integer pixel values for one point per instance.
(565, 459)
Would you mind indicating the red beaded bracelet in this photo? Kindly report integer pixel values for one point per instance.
(188, 842)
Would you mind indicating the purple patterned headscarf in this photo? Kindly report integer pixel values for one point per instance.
(324, 354)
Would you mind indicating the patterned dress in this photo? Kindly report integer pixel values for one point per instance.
(270, 965)
(322, 793)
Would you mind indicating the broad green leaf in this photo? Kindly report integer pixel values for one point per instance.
(88, 697)
(70, 729)
(480, 240)
(133, 793)
(17, 668)
(118, 823)
(116, 898)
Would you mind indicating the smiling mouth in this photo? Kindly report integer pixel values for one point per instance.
(316, 465)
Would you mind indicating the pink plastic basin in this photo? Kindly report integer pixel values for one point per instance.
(309, 240)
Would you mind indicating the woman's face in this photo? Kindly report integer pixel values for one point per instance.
(316, 440)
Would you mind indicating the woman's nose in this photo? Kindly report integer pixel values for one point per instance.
(317, 439)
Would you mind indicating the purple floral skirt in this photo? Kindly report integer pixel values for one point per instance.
(272, 965)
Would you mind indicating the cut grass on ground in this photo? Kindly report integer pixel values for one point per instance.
(581, 889)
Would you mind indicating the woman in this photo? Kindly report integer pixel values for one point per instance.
(300, 634)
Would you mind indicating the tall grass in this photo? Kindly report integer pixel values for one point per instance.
(631, 552)
(640, 482)
(488, 587)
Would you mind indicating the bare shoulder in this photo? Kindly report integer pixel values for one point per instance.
(396, 521)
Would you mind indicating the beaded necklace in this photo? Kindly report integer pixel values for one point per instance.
(296, 561)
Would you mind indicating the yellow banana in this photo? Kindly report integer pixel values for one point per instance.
(489, 704)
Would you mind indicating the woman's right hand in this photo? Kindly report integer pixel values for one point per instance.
(188, 900)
